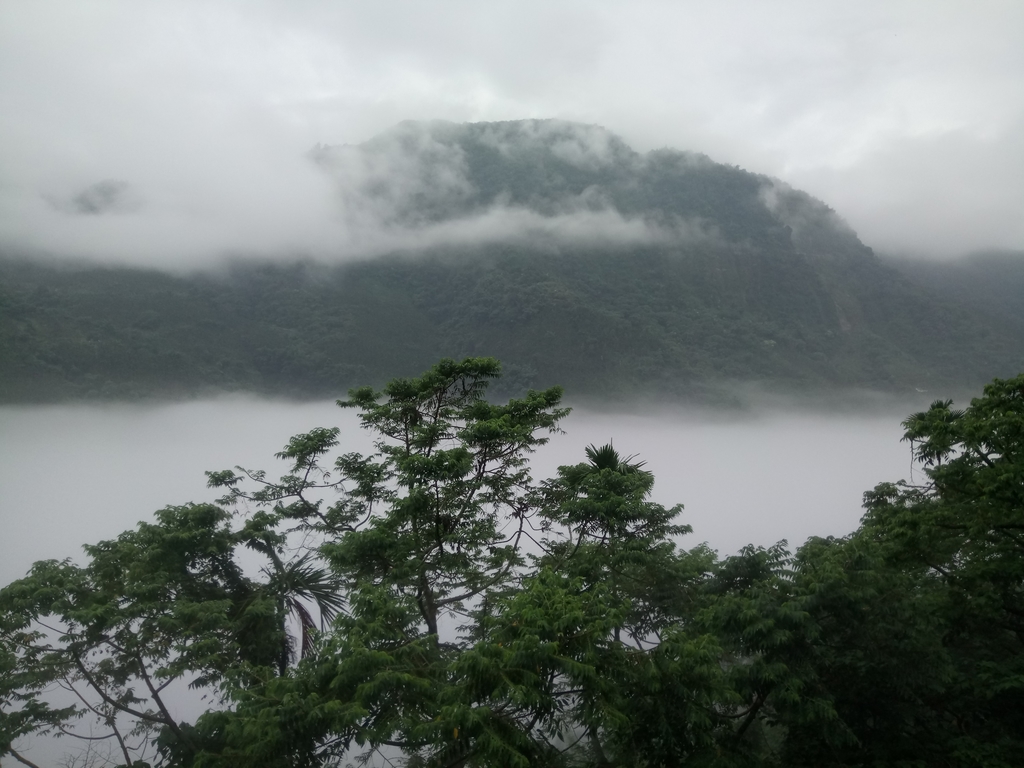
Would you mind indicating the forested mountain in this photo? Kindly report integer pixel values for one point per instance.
(551, 245)
(988, 280)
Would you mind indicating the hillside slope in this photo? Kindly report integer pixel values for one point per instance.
(988, 282)
(552, 246)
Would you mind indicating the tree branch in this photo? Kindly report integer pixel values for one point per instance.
(751, 714)
(112, 702)
(159, 702)
(21, 759)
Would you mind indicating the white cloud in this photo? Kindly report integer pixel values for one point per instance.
(583, 227)
(206, 109)
(943, 195)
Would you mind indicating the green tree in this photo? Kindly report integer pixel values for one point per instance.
(453, 647)
(425, 539)
(655, 693)
(963, 532)
(398, 611)
(900, 644)
(876, 660)
(165, 604)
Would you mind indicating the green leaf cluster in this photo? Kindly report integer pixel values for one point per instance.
(432, 604)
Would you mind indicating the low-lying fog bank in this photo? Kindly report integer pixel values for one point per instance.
(76, 474)
(80, 473)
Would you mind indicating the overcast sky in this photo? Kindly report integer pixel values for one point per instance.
(175, 132)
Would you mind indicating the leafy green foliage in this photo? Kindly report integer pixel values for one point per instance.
(397, 612)
(962, 532)
(163, 604)
(605, 322)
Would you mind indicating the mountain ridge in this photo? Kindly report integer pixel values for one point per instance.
(550, 245)
(554, 167)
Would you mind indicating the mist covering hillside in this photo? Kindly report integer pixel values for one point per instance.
(993, 280)
(552, 246)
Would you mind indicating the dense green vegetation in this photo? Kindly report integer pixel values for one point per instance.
(648, 321)
(992, 279)
(433, 604)
(719, 276)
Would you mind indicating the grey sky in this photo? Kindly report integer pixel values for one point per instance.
(907, 117)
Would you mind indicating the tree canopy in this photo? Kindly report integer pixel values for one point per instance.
(432, 604)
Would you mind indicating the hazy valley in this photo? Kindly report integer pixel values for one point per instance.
(718, 330)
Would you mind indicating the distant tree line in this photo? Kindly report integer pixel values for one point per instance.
(615, 323)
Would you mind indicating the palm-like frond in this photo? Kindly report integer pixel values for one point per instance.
(606, 457)
(303, 579)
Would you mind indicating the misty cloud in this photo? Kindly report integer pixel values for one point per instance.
(744, 477)
(941, 195)
(515, 225)
(107, 196)
(413, 187)
(589, 147)
(812, 223)
(419, 172)
(403, 177)
(907, 124)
